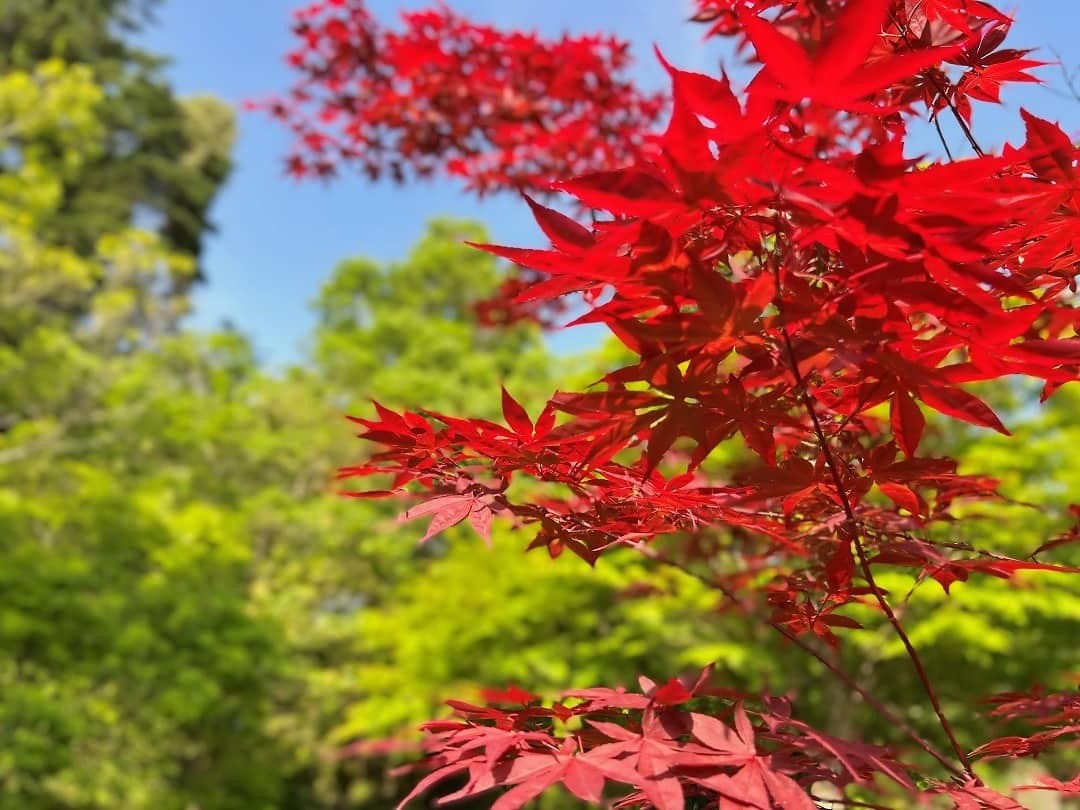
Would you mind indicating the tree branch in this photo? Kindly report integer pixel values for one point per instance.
(864, 563)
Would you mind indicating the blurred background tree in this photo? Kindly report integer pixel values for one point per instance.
(191, 618)
(160, 159)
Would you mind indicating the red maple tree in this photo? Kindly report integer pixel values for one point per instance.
(780, 268)
(501, 110)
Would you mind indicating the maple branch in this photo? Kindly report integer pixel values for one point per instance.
(943, 92)
(941, 137)
(852, 524)
(968, 134)
(886, 713)
(1068, 77)
(864, 563)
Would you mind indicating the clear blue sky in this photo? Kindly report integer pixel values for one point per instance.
(279, 239)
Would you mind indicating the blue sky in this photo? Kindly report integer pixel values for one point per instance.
(279, 239)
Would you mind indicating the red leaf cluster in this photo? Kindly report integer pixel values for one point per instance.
(1056, 713)
(785, 275)
(652, 743)
(443, 94)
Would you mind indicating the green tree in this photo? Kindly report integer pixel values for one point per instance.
(131, 661)
(162, 160)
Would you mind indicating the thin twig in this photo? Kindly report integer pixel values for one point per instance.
(941, 137)
(1068, 77)
(943, 92)
(849, 803)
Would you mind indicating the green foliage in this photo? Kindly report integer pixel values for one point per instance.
(129, 650)
(162, 159)
(131, 657)
(568, 625)
(407, 329)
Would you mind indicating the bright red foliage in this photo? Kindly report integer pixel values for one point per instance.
(1059, 713)
(501, 110)
(652, 743)
(780, 268)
